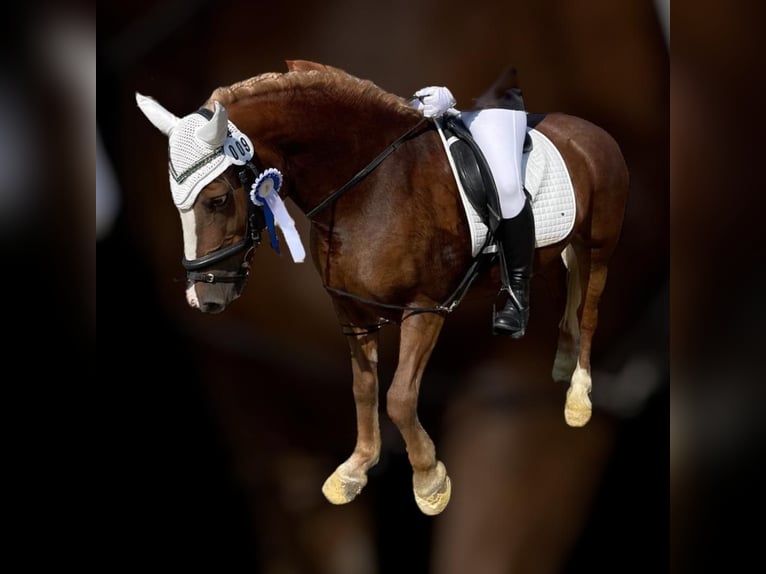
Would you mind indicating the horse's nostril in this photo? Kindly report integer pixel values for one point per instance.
(211, 307)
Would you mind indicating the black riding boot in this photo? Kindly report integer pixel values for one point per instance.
(517, 242)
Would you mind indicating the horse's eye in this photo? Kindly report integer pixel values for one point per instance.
(216, 203)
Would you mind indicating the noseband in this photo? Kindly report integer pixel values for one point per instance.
(256, 222)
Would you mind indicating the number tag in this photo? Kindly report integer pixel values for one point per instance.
(238, 147)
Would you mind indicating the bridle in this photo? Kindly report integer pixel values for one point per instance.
(256, 222)
(256, 219)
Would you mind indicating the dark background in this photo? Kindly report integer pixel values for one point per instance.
(162, 445)
(234, 421)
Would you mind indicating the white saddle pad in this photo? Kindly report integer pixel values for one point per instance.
(547, 180)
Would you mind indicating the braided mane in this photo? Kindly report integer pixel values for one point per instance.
(304, 75)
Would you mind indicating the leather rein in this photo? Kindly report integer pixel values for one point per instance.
(256, 221)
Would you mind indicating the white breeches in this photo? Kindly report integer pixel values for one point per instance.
(500, 135)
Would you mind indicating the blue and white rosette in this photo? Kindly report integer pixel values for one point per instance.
(265, 192)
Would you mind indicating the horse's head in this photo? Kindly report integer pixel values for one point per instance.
(209, 165)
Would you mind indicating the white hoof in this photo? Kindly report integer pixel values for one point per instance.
(433, 498)
(578, 407)
(341, 488)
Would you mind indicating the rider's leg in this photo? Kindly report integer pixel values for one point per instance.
(500, 134)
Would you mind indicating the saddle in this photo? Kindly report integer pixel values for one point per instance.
(472, 168)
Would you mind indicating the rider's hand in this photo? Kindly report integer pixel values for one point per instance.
(435, 100)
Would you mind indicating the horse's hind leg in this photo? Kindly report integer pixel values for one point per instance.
(569, 327)
(431, 484)
(349, 478)
(591, 264)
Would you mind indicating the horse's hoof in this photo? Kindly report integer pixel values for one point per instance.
(341, 488)
(438, 495)
(578, 408)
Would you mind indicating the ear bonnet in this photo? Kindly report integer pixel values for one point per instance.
(201, 146)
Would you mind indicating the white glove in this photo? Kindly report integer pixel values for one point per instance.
(435, 101)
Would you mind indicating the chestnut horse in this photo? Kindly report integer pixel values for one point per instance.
(389, 237)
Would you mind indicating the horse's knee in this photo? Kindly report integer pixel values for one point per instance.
(401, 408)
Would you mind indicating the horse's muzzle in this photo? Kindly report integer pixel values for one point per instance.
(214, 296)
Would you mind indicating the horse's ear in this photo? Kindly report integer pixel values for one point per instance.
(161, 118)
(214, 132)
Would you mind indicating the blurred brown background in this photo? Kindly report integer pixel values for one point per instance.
(236, 420)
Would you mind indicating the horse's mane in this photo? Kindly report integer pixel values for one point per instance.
(302, 75)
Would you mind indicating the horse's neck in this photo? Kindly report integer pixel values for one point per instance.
(321, 152)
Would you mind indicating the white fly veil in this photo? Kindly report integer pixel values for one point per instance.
(196, 148)
(201, 146)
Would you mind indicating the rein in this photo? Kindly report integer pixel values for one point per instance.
(195, 269)
(255, 223)
(365, 171)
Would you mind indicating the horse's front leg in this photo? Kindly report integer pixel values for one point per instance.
(349, 478)
(430, 481)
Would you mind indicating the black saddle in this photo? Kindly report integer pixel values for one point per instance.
(473, 170)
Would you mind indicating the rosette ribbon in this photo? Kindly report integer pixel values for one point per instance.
(265, 192)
